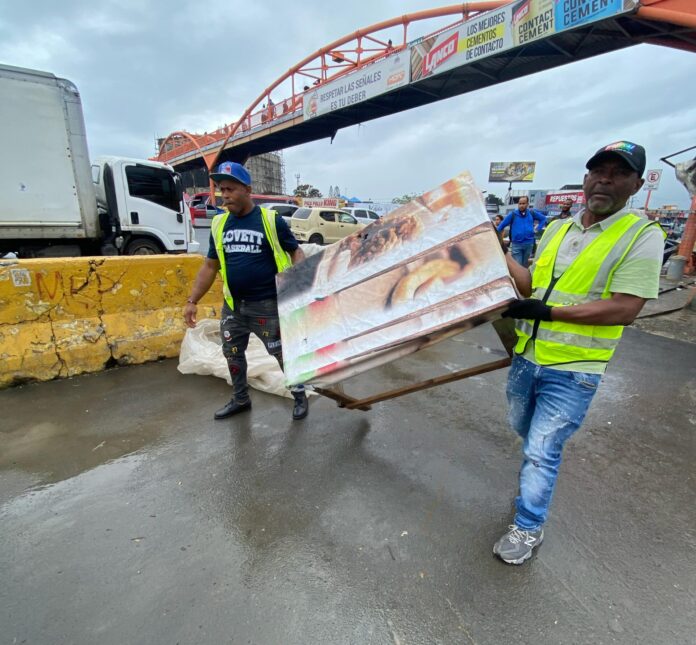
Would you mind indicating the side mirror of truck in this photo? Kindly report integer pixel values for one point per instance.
(179, 187)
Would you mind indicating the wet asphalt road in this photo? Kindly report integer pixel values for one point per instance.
(128, 516)
(202, 235)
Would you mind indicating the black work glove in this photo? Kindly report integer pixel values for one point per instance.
(529, 309)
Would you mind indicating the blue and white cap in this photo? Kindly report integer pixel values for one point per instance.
(233, 171)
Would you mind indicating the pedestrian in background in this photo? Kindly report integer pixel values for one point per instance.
(566, 205)
(522, 230)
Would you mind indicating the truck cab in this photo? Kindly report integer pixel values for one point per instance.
(142, 209)
(53, 206)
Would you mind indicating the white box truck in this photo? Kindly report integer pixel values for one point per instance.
(55, 203)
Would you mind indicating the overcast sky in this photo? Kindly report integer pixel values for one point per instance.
(145, 69)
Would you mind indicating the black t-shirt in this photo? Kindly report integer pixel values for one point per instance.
(251, 268)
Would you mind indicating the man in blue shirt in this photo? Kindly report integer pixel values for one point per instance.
(242, 241)
(521, 223)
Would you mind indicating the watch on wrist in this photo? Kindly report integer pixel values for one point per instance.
(191, 301)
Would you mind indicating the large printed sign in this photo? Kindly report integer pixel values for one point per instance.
(427, 270)
(321, 202)
(531, 20)
(371, 81)
(553, 199)
(474, 39)
(508, 171)
(513, 25)
(572, 13)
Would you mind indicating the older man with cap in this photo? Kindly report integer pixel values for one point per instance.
(248, 246)
(592, 275)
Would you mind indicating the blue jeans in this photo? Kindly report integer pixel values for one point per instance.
(546, 407)
(521, 253)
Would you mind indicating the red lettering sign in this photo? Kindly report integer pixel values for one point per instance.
(440, 54)
(558, 198)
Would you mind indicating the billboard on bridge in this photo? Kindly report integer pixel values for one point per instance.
(366, 83)
(513, 25)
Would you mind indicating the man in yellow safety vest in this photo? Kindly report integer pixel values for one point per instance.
(592, 275)
(248, 246)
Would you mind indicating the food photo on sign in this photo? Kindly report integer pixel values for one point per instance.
(431, 268)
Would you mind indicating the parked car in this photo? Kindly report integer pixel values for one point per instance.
(284, 210)
(363, 215)
(197, 206)
(201, 208)
(320, 225)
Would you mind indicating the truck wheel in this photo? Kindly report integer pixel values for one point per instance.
(316, 239)
(143, 246)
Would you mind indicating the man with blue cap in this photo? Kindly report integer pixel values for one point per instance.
(248, 246)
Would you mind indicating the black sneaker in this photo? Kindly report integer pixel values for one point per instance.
(301, 407)
(517, 544)
(232, 408)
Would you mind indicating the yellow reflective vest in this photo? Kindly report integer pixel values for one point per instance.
(587, 278)
(217, 228)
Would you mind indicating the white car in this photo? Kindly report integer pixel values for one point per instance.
(323, 225)
(363, 215)
(286, 211)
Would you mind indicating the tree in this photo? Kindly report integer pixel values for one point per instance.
(405, 199)
(307, 190)
(491, 198)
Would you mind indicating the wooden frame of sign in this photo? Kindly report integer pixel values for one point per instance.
(505, 328)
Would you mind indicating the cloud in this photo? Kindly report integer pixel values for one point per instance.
(37, 49)
(145, 69)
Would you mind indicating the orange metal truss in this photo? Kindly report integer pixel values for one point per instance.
(676, 12)
(351, 52)
(356, 50)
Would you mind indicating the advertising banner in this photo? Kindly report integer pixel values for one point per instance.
(507, 171)
(573, 13)
(368, 82)
(558, 198)
(531, 20)
(321, 202)
(515, 24)
(429, 269)
(468, 42)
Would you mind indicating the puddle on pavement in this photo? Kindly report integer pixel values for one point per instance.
(50, 452)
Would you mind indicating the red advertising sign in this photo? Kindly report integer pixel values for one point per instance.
(559, 198)
(440, 54)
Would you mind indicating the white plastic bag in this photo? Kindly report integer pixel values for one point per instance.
(201, 353)
(311, 249)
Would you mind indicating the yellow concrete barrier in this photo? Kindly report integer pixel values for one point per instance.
(65, 316)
